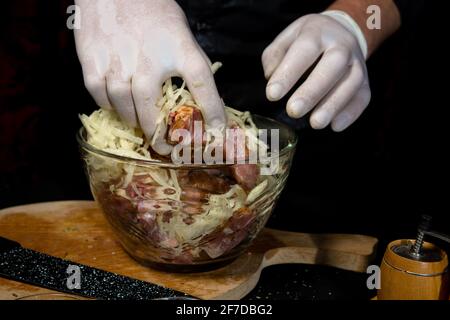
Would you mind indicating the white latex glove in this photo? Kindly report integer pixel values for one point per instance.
(338, 87)
(127, 49)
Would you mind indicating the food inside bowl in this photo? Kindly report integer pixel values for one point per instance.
(183, 214)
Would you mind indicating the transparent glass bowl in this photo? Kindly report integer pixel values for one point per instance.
(206, 225)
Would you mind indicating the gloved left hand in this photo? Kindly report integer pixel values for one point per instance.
(338, 87)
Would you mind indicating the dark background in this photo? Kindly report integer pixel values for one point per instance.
(375, 178)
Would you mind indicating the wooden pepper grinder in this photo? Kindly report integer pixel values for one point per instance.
(415, 269)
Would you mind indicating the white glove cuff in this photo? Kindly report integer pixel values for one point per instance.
(347, 21)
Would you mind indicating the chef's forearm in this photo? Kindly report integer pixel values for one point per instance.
(357, 9)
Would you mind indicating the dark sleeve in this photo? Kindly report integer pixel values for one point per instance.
(409, 11)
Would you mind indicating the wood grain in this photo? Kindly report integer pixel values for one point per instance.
(77, 231)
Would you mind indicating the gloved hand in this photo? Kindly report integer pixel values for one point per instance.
(338, 87)
(127, 49)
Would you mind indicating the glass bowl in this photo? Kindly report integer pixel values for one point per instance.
(185, 218)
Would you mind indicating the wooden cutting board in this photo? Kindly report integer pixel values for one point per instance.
(77, 231)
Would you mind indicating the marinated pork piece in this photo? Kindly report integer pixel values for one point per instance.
(193, 194)
(192, 208)
(183, 118)
(234, 232)
(241, 219)
(246, 175)
(110, 202)
(147, 222)
(202, 180)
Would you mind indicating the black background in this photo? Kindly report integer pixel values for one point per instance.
(375, 178)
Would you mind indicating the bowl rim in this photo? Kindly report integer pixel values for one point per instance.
(291, 145)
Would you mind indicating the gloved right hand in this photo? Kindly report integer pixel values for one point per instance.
(127, 49)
